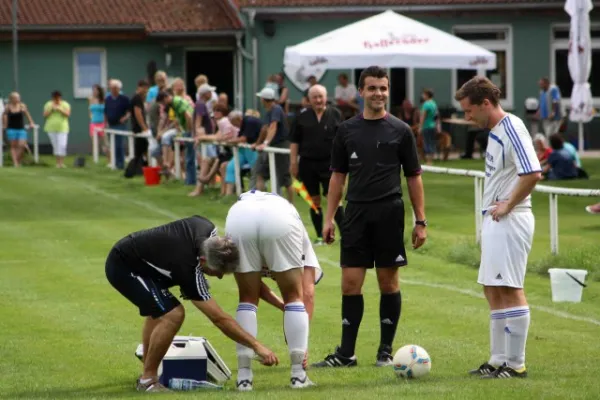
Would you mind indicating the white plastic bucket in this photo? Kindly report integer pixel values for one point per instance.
(567, 284)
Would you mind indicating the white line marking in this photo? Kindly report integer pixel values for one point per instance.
(149, 206)
(452, 288)
(472, 293)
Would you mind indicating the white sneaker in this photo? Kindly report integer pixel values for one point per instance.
(244, 385)
(297, 383)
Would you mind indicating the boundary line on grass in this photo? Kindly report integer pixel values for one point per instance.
(472, 293)
(452, 288)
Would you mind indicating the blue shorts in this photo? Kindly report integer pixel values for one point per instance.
(212, 150)
(429, 142)
(16, 134)
(168, 137)
(247, 159)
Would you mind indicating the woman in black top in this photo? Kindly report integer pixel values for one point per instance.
(13, 119)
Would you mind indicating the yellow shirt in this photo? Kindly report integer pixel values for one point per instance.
(56, 121)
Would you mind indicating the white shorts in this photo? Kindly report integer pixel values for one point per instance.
(59, 143)
(505, 247)
(268, 231)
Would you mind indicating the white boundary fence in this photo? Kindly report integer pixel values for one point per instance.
(111, 133)
(478, 178)
(36, 144)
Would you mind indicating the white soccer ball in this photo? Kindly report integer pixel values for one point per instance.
(412, 361)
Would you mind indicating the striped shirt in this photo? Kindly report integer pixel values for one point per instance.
(510, 153)
(171, 254)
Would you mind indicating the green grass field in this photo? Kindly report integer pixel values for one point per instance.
(66, 334)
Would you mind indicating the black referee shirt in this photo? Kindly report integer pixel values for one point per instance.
(374, 152)
(172, 252)
(315, 137)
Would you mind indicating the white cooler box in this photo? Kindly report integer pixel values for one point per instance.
(191, 357)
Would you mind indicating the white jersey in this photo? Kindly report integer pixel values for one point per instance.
(510, 153)
(269, 231)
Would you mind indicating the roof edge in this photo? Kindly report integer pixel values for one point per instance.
(190, 34)
(73, 28)
(233, 12)
(532, 5)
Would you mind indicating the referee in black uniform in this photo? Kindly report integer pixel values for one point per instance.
(373, 148)
(144, 265)
(312, 136)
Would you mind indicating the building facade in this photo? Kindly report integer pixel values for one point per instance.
(68, 46)
(530, 39)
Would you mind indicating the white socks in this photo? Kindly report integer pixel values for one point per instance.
(497, 338)
(517, 326)
(246, 317)
(295, 325)
(508, 336)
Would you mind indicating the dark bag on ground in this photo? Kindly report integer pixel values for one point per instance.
(134, 167)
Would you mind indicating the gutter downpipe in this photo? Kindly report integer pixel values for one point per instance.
(250, 57)
(254, 57)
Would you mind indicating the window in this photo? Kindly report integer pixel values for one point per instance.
(559, 68)
(89, 68)
(497, 39)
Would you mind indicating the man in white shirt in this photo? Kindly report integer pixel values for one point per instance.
(512, 170)
(345, 96)
(267, 229)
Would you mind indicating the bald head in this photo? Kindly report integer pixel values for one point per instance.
(317, 89)
(317, 96)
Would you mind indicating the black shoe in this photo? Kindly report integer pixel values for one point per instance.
(336, 360)
(384, 357)
(505, 372)
(483, 370)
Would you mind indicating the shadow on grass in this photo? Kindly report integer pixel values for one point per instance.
(117, 389)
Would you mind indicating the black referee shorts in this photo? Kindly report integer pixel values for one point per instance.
(373, 234)
(315, 174)
(149, 295)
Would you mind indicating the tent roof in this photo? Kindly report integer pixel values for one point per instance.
(389, 40)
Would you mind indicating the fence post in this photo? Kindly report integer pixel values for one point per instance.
(554, 223)
(238, 168)
(36, 144)
(95, 145)
(272, 173)
(177, 158)
(113, 150)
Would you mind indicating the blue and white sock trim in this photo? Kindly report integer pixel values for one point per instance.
(497, 314)
(247, 307)
(516, 312)
(513, 312)
(295, 307)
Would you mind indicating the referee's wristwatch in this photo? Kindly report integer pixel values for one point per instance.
(422, 223)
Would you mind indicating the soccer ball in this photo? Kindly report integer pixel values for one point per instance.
(411, 361)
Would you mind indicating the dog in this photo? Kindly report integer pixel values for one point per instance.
(443, 140)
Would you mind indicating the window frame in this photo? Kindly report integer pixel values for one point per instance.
(84, 93)
(563, 44)
(505, 45)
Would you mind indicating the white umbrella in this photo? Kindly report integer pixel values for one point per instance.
(580, 63)
(389, 40)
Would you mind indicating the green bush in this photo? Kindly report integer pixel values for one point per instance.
(587, 257)
(465, 252)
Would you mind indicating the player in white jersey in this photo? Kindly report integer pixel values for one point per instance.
(268, 230)
(511, 172)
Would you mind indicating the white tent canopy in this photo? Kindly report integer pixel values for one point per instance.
(389, 40)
